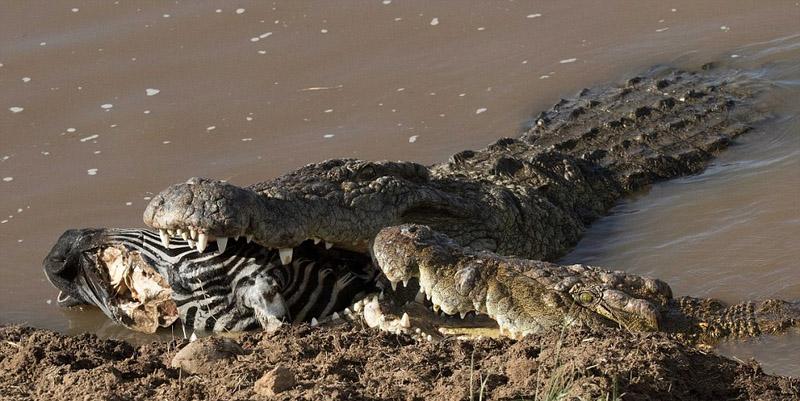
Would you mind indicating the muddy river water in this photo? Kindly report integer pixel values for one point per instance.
(104, 103)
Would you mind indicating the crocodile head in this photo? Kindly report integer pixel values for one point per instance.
(342, 202)
(523, 296)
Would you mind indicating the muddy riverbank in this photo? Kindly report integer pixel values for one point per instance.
(360, 364)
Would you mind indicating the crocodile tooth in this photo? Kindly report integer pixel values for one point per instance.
(429, 338)
(428, 296)
(405, 321)
(191, 242)
(405, 283)
(193, 233)
(417, 330)
(316, 240)
(348, 312)
(314, 322)
(380, 297)
(335, 316)
(185, 236)
(328, 245)
(394, 285)
(421, 290)
(357, 306)
(249, 238)
(286, 255)
(436, 308)
(420, 298)
(463, 314)
(222, 243)
(202, 242)
(164, 238)
(178, 231)
(171, 232)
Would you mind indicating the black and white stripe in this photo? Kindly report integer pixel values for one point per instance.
(208, 287)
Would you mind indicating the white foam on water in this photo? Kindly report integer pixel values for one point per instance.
(128, 203)
(328, 136)
(329, 111)
(75, 10)
(725, 28)
(26, 79)
(106, 106)
(151, 91)
(248, 118)
(89, 138)
(8, 179)
(71, 130)
(247, 139)
(91, 171)
(43, 44)
(435, 22)
(239, 11)
(568, 60)
(15, 109)
(211, 128)
(480, 110)
(97, 152)
(323, 30)
(262, 52)
(537, 15)
(219, 10)
(386, 2)
(412, 138)
(544, 76)
(662, 29)
(146, 112)
(166, 15)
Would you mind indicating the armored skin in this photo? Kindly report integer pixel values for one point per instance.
(475, 233)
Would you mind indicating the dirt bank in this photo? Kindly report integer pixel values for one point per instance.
(356, 363)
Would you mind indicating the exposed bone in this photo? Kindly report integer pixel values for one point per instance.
(142, 297)
(222, 243)
(202, 242)
(286, 255)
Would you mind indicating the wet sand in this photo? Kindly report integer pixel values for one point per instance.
(101, 105)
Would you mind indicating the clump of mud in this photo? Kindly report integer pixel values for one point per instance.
(142, 296)
(356, 363)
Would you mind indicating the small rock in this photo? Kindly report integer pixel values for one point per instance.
(197, 357)
(275, 381)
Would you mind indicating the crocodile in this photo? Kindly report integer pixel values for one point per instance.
(530, 197)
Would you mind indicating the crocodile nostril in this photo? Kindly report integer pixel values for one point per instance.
(412, 229)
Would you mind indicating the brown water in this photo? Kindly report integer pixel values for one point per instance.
(102, 104)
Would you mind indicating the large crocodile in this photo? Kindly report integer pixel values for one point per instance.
(532, 197)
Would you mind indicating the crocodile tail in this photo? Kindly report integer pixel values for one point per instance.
(663, 124)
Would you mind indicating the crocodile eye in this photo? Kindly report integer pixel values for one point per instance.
(367, 173)
(586, 298)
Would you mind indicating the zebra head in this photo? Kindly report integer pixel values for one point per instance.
(232, 287)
